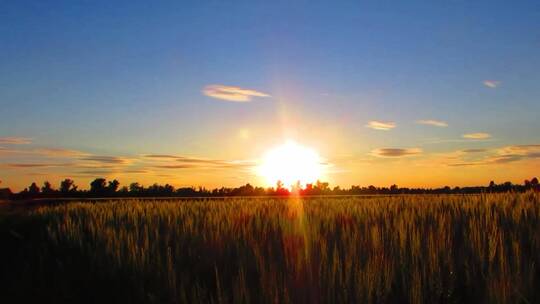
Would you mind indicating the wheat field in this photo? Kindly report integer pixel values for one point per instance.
(380, 249)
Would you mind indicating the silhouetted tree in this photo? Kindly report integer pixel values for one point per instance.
(5, 192)
(135, 188)
(507, 186)
(47, 188)
(113, 186)
(33, 189)
(168, 189)
(123, 191)
(67, 186)
(280, 190)
(323, 187)
(186, 191)
(98, 186)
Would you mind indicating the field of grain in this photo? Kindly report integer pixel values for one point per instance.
(381, 249)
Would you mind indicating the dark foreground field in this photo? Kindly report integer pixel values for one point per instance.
(399, 249)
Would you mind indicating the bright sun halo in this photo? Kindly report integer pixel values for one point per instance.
(290, 163)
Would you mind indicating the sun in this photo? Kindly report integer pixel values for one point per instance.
(291, 163)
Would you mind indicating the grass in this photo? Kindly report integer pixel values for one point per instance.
(407, 249)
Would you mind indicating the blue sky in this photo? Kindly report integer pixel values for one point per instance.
(124, 78)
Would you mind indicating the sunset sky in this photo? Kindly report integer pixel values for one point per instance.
(194, 93)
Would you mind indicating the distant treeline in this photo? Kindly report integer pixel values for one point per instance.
(100, 187)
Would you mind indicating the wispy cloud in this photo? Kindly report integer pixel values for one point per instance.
(503, 159)
(453, 140)
(15, 140)
(44, 152)
(175, 166)
(159, 156)
(477, 136)
(135, 171)
(108, 172)
(474, 150)
(93, 173)
(230, 93)
(185, 159)
(37, 174)
(502, 155)
(106, 159)
(492, 83)
(381, 125)
(35, 165)
(168, 161)
(396, 152)
(519, 149)
(182, 162)
(464, 164)
(432, 122)
(58, 152)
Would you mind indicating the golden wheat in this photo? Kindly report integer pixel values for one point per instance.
(416, 249)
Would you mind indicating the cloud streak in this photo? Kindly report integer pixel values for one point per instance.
(175, 166)
(492, 84)
(231, 93)
(44, 152)
(503, 155)
(106, 159)
(58, 152)
(15, 140)
(396, 152)
(35, 165)
(432, 122)
(381, 125)
(168, 161)
(474, 150)
(477, 136)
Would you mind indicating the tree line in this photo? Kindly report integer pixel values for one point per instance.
(100, 187)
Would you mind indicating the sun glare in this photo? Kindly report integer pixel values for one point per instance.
(291, 163)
